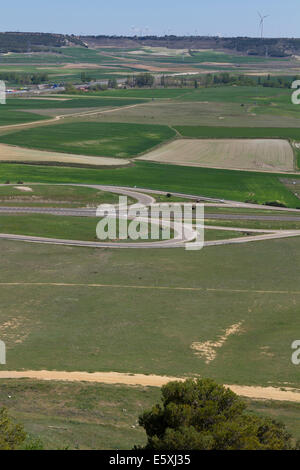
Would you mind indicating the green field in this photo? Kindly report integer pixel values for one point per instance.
(10, 116)
(200, 57)
(240, 94)
(56, 196)
(148, 330)
(162, 93)
(68, 228)
(238, 132)
(212, 235)
(51, 226)
(259, 224)
(99, 139)
(224, 184)
(78, 416)
(246, 211)
(74, 228)
(17, 110)
(203, 113)
(80, 102)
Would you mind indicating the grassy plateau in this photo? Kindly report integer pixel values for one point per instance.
(110, 313)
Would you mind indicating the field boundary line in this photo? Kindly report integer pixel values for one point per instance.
(124, 286)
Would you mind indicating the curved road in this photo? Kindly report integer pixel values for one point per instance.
(145, 199)
(142, 199)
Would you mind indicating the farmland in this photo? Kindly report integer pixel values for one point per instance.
(11, 117)
(238, 132)
(254, 154)
(10, 153)
(66, 64)
(158, 311)
(225, 184)
(65, 103)
(21, 110)
(124, 140)
(203, 113)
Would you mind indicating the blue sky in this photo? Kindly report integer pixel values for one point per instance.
(204, 17)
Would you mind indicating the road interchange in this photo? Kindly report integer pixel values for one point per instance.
(144, 197)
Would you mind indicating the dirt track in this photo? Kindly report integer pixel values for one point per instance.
(265, 393)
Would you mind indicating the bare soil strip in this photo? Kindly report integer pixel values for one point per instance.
(208, 349)
(265, 393)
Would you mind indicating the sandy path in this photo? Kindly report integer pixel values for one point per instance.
(266, 393)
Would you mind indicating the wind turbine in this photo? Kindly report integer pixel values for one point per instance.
(261, 23)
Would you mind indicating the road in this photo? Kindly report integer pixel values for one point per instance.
(143, 198)
(91, 212)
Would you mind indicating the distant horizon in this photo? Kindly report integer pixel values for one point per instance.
(148, 36)
(230, 18)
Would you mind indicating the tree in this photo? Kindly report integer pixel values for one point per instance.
(84, 77)
(112, 83)
(70, 89)
(11, 435)
(202, 415)
(144, 79)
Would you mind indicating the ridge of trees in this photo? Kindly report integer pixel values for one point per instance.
(35, 42)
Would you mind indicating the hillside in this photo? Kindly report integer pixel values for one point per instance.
(34, 42)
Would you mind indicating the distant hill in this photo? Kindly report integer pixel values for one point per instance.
(34, 42)
(271, 47)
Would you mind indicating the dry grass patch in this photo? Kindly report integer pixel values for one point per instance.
(9, 153)
(243, 154)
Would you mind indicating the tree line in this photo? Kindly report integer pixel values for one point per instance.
(18, 78)
(147, 80)
(34, 42)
